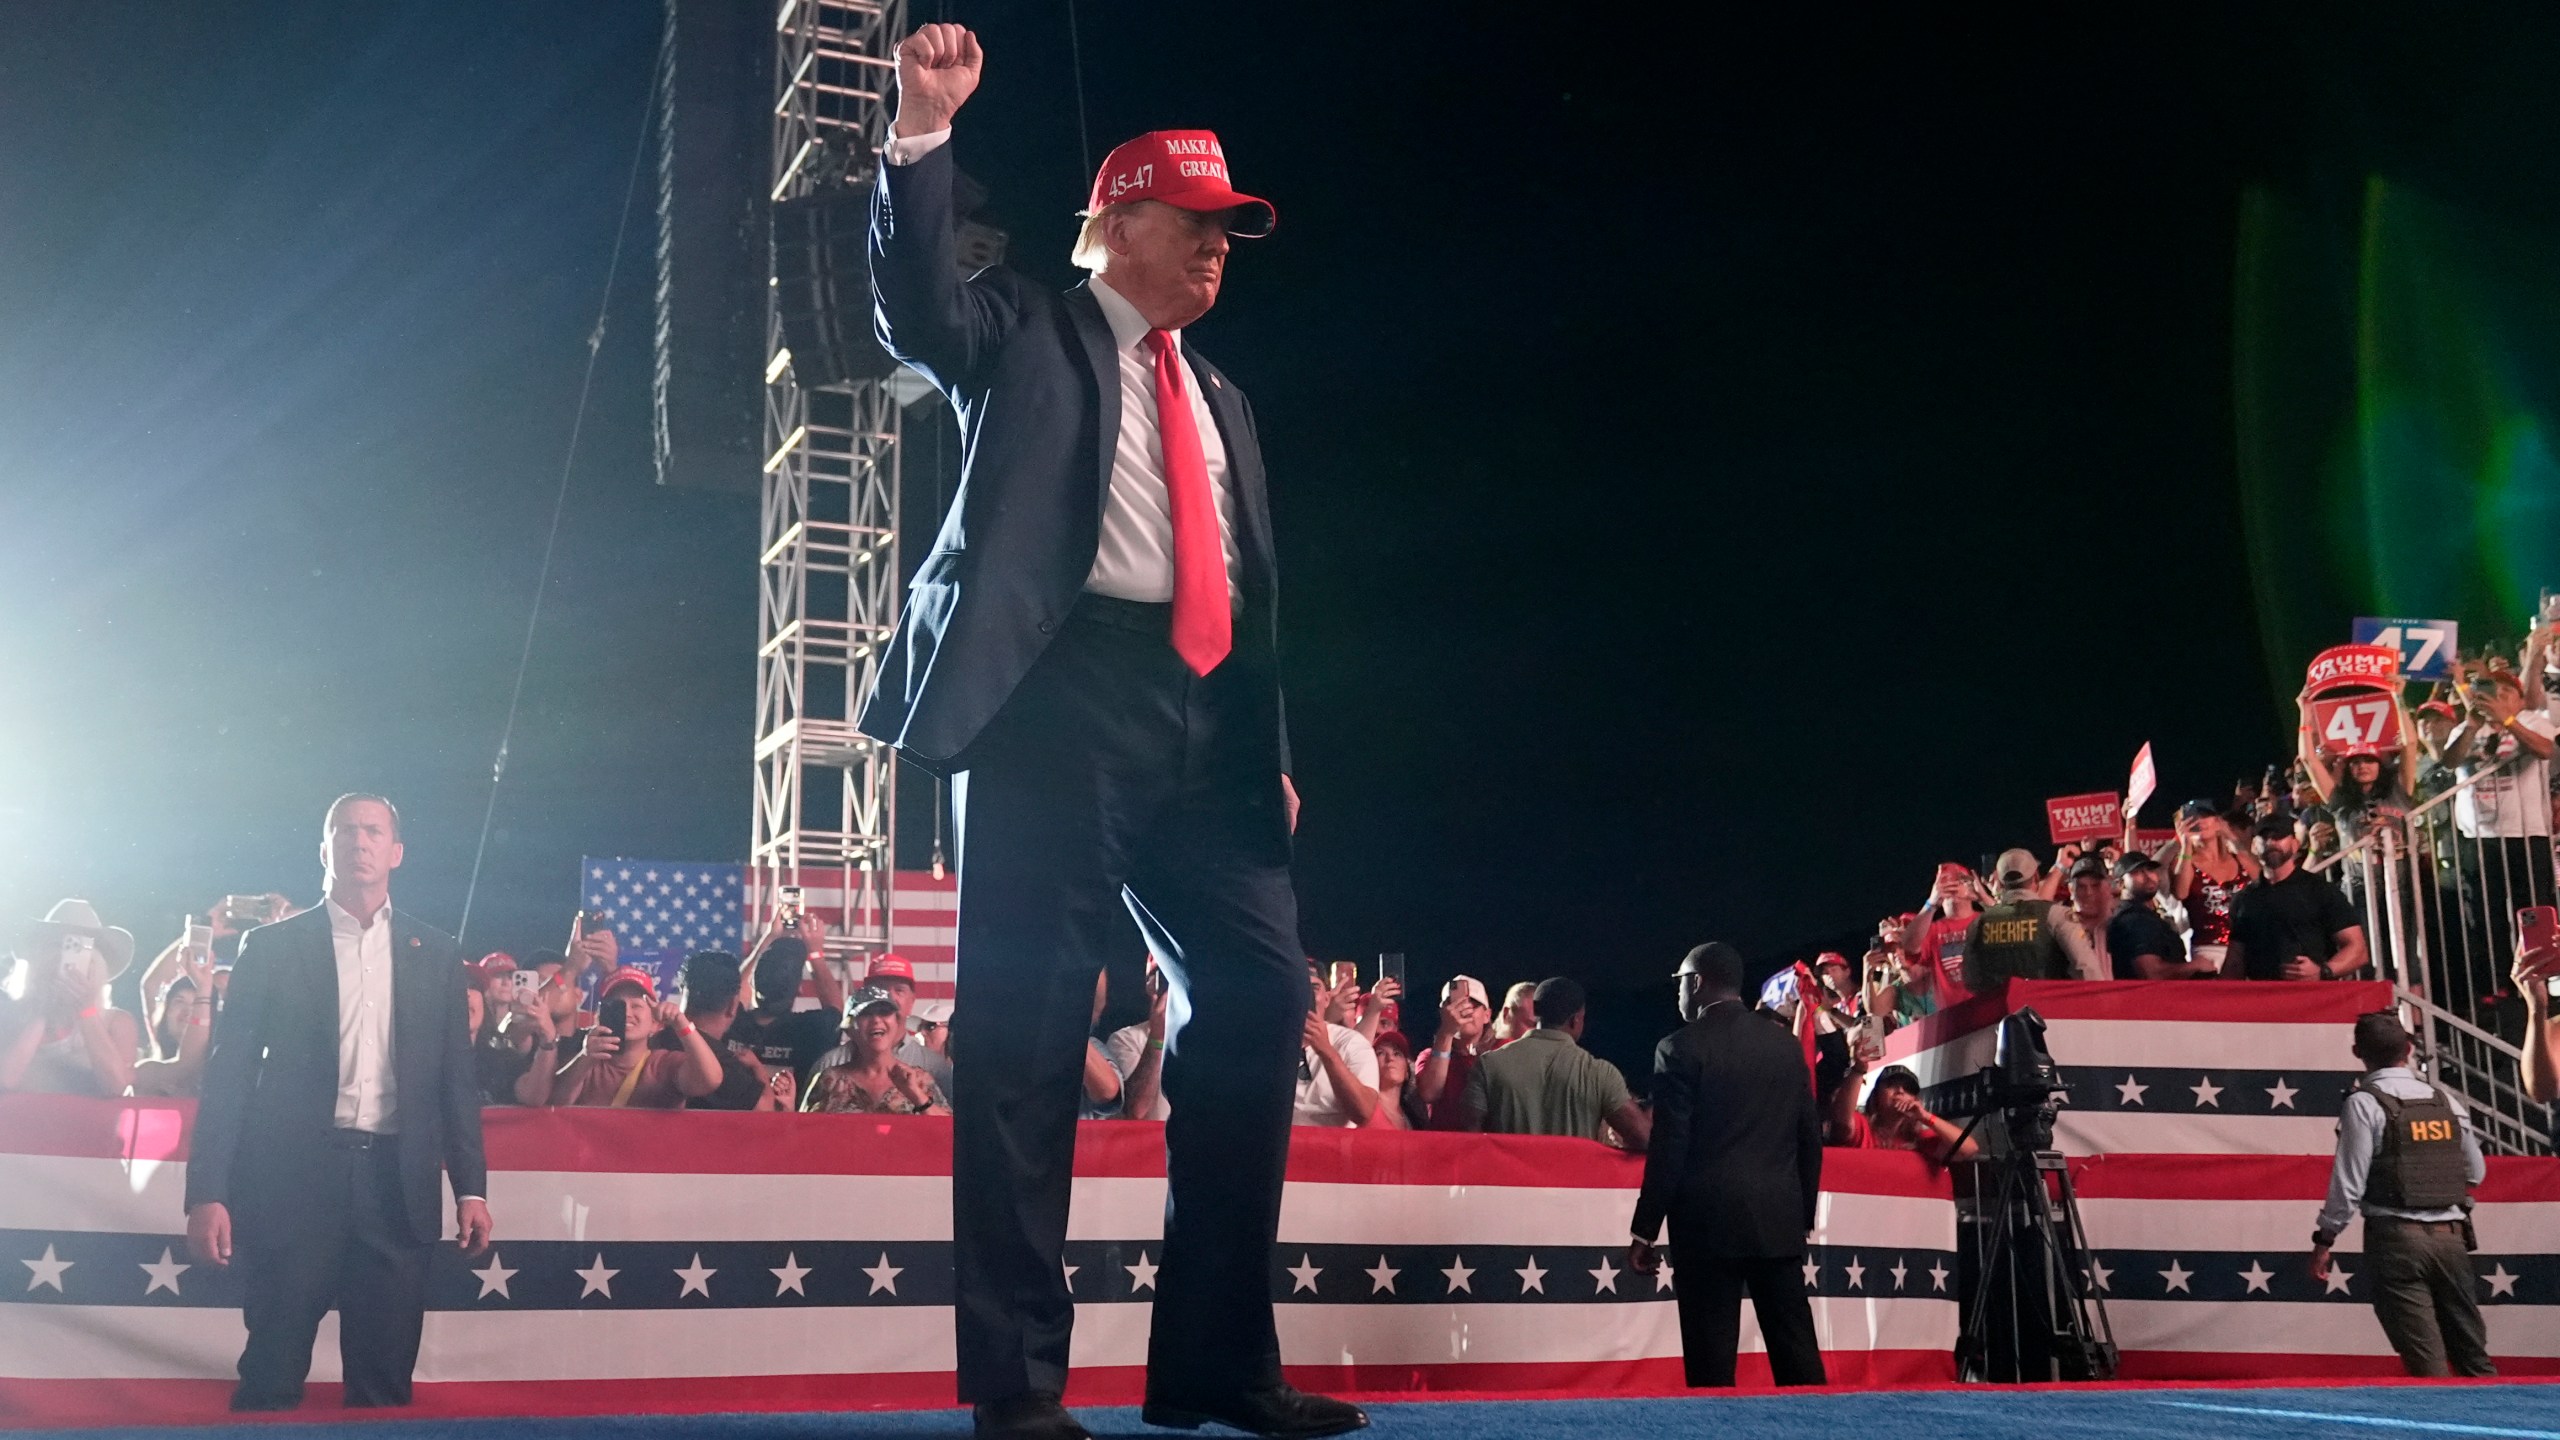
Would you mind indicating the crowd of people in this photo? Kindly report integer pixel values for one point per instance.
(2239, 891)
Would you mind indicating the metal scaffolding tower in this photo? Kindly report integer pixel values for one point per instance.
(828, 590)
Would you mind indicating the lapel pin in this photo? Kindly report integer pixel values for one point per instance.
(413, 942)
(1217, 384)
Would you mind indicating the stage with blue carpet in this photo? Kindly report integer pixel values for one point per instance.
(2471, 1408)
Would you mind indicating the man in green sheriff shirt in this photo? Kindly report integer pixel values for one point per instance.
(1545, 1083)
(2025, 935)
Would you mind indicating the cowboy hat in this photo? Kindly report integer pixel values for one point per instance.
(77, 917)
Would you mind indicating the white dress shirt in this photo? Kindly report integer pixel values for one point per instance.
(1135, 559)
(368, 1099)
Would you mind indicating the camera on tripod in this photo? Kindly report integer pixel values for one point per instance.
(2031, 1312)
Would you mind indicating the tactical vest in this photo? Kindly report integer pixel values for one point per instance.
(2419, 1166)
(2014, 941)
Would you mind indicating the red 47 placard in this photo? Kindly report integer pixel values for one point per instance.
(2342, 722)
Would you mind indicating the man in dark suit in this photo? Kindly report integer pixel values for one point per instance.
(1091, 652)
(1736, 1165)
(339, 1094)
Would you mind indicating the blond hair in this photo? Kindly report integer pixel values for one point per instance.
(1090, 252)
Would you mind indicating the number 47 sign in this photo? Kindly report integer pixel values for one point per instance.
(2345, 721)
(2426, 646)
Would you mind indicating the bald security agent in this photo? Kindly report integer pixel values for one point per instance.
(1735, 1166)
(339, 1096)
(1090, 652)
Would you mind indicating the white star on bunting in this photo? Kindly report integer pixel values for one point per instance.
(1812, 1273)
(2207, 1093)
(696, 1278)
(1661, 1276)
(164, 1276)
(2502, 1286)
(1304, 1273)
(1382, 1277)
(1899, 1270)
(1532, 1277)
(493, 1279)
(1857, 1273)
(2280, 1095)
(2130, 1092)
(1937, 1277)
(1605, 1278)
(2099, 1274)
(1142, 1276)
(2338, 1278)
(596, 1279)
(1071, 1276)
(1461, 1276)
(2257, 1275)
(789, 1276)
(884, 1276)
(48, 1271)
(2177, 1275)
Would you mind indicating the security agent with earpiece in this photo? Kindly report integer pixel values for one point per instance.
(2407, 1160)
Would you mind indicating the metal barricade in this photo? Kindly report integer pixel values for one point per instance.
(2438, 892)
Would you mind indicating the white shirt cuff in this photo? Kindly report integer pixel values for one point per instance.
(908, 149)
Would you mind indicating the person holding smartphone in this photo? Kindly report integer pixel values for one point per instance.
(617, 1066)
(2537, 970)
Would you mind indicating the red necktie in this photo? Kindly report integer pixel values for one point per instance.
(1203, 630)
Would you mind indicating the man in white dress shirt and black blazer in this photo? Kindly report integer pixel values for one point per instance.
(338, 1095)
(1090, 652)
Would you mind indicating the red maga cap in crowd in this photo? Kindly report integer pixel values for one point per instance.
(1182, 168)
(490, 966)
(892, 967)
(629, 975)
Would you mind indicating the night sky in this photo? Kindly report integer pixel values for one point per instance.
(1721, 467)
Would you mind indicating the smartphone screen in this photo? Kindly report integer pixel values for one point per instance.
(1345, 972)
(1391, 966)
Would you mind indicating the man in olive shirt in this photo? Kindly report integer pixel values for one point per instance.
(1545, 1083)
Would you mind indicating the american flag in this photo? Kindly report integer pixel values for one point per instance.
(664, 909)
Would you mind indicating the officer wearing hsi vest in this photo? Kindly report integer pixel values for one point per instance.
(2407, 1159)
(2025, 936)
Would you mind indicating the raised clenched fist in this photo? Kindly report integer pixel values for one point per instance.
(937, 72)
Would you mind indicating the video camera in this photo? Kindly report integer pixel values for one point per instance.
(2020, 1085)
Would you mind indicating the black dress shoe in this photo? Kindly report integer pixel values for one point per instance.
(1027, 1417)
(1282, 1411)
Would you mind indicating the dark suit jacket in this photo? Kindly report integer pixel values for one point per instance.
(271, 1082)
(1035, 380)
(1736, 1156)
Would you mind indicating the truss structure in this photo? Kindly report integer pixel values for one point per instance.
(828, 591)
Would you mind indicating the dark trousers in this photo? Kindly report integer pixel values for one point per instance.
(1115, 783)
(1709, 1289)
(339, 1240)
(2427, 1296)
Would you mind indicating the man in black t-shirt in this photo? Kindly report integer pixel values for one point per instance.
(2140, 943)
(777, 1035)
(713, 989)
(2292, 924)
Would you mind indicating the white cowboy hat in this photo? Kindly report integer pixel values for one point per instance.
(77, 917)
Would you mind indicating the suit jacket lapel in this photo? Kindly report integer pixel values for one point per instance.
(1244, 464)
(1102, 355)
(413, 1009)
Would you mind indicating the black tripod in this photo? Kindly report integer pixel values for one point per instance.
(2032, 1266)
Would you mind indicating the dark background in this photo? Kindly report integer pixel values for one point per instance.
(1723, 464)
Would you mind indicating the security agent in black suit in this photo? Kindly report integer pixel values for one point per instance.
(1736, 1166)
(1097, 760)
(339, 1093)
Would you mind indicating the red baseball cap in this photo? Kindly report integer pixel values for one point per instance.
(490, 966)
(1182, 168)
(892, 967)
(629, 975)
